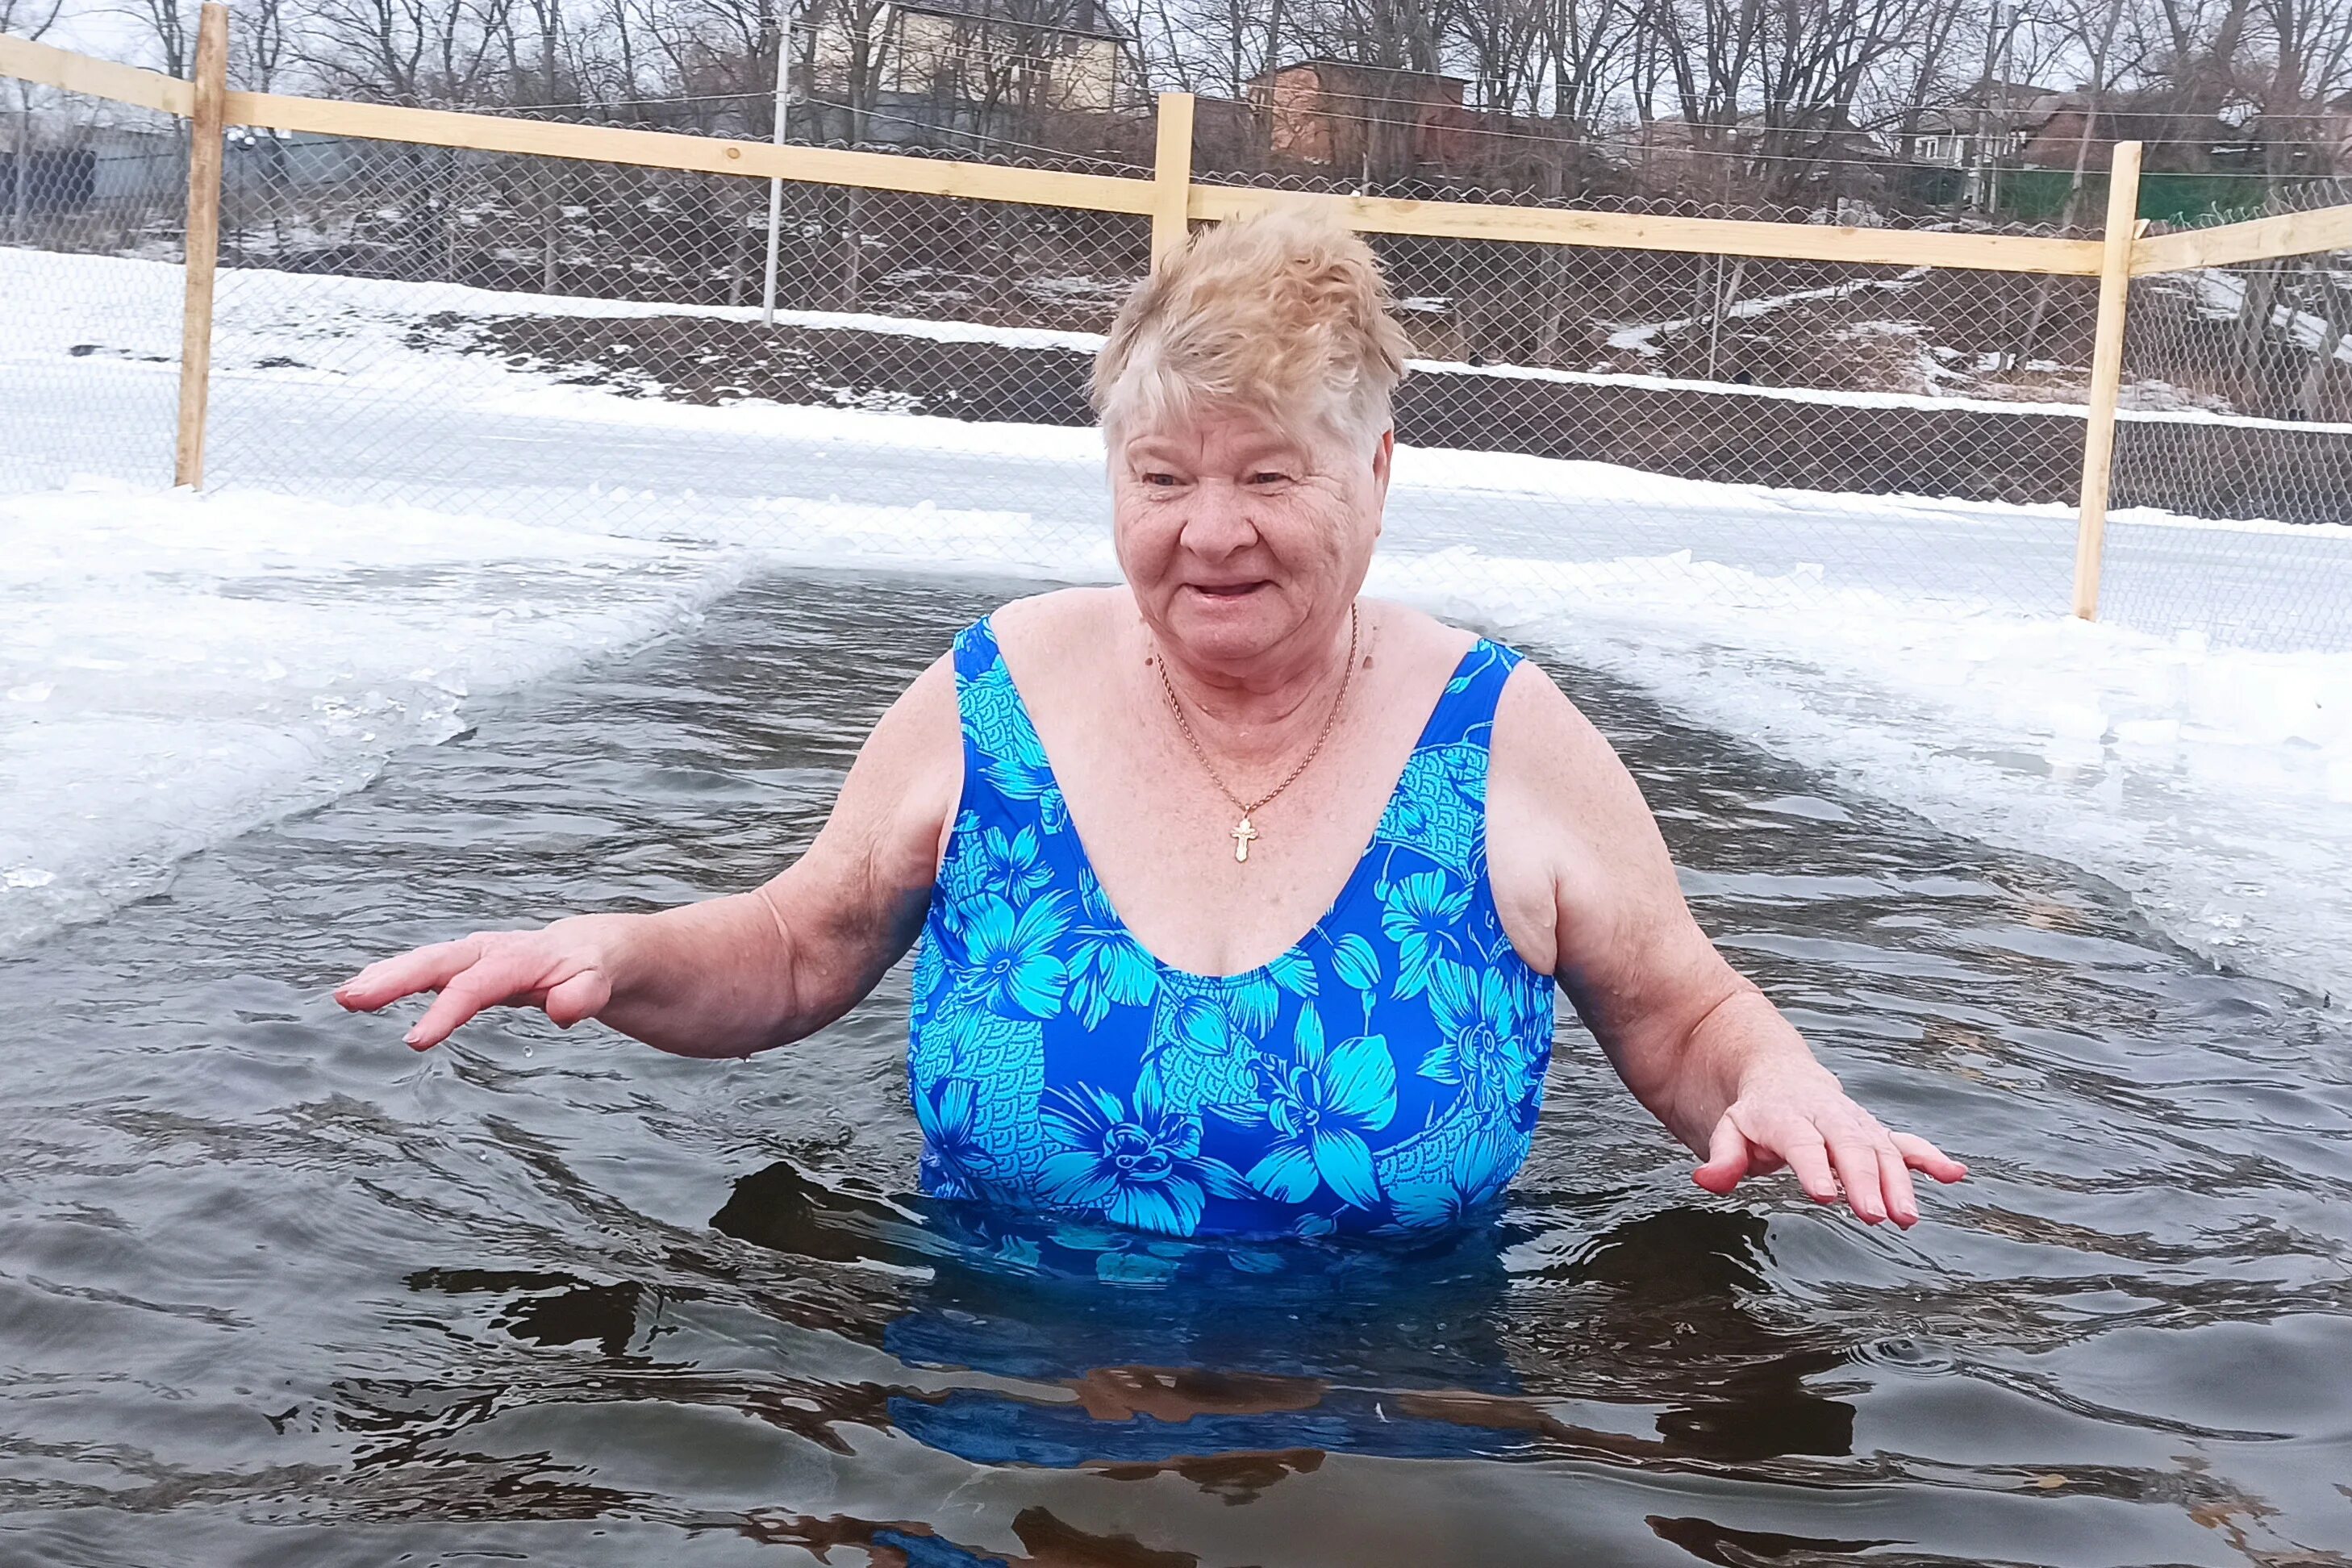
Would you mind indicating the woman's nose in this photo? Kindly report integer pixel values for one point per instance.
(1221, 523)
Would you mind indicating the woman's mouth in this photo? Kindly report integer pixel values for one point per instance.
(1225, 590)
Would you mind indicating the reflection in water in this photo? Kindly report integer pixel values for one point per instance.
(1712, 1543)
(1047, 1543)
(549, 1308)
(1174, 1351)
(273, 1290)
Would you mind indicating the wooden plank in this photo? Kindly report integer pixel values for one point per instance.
(1172, 177)
(701, 154)
(2288, 233)
(203, 247)
(47, 66)
(1643, 231)
(2106, 374)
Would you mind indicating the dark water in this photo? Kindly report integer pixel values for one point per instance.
(274, 1290)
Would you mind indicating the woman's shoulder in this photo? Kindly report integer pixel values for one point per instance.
(1044, 625)
(1417, 639)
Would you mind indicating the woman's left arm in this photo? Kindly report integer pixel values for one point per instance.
(1588, 891)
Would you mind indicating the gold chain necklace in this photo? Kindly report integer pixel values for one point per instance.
(1242, 832)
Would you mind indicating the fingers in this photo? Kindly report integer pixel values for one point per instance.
(1843, 1153)
(485, 969)
(497, 976)
(1857, 1168)
(390, 979)
(1808, 1160)
(1894, 1182)
(458, 1002)
(1726, 1158)
(1921, 1156)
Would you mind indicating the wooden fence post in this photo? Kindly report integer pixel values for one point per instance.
(1172, 177)
(203, 241)
(2106, 374)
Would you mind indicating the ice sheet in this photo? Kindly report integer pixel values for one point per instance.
(175, 670)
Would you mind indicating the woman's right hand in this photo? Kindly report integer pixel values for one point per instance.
(743, 972)
(565, 969)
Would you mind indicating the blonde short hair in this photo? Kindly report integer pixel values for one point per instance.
(1284, 314)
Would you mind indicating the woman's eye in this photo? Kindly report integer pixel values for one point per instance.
(1268, 477)
(1163, 480)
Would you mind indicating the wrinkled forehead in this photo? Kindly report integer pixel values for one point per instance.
(1233, 430)
(1213, 432)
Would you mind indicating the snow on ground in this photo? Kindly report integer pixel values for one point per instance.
(353, 333)
(1643, 338)
(2215, 786)
(2223, 293)
(175, 668)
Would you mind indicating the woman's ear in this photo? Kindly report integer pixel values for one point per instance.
(1383, 454)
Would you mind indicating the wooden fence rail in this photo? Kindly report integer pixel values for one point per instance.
(1046, 187)
(1173, 199)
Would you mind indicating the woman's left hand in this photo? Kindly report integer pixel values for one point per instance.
(1803, 1119)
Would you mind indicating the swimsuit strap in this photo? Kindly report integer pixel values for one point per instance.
(1466, 710)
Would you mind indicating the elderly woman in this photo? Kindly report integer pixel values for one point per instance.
(1241, 897)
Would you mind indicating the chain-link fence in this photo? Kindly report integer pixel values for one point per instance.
(91, 291)
(557, 339)
(2237, 405)
(1798, 420)
(551, 339)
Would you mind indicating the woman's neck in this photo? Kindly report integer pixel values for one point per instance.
(1265, 710)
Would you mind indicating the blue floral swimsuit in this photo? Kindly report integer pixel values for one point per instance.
(1383, 1075)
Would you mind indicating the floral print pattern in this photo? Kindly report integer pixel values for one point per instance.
(1143, 1170)
(1383, 1074)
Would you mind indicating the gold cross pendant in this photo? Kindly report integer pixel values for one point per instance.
(1242, 836)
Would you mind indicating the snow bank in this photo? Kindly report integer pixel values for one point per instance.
(2215, 786)
(176, 670)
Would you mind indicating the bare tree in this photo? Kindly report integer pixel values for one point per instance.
(2299, 67)
(404, 51)
(171, 24)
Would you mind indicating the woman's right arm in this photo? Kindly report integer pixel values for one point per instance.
(742, 973)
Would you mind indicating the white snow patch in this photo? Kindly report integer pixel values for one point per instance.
(1644, 339)
(2215, 786)
(180, 669)
(2223, 294)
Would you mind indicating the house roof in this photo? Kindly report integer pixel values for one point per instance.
(1667, 129)
(1998, 108)
(115, 140)
(1078, 18)
(1326, 62)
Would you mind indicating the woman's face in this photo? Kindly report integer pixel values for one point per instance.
(1237, 536)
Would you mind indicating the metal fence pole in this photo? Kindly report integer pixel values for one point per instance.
(2106, 374)
(776, 186)
(202, 246)
(1171, 176)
